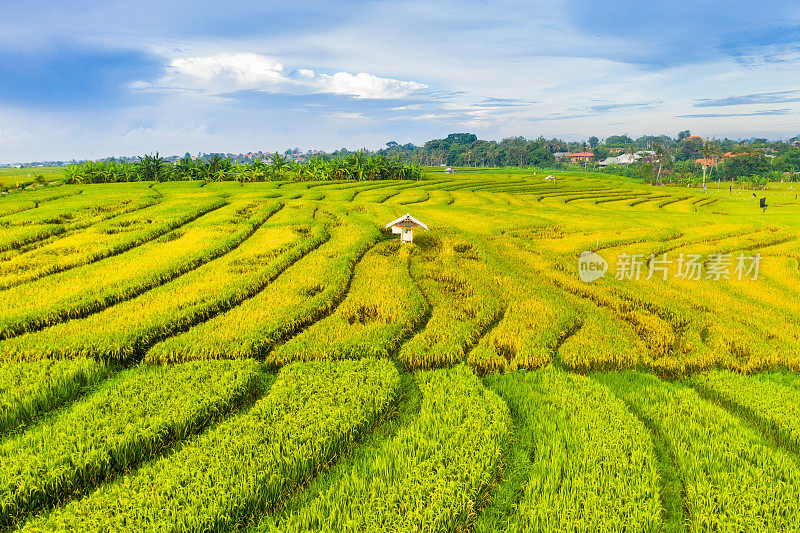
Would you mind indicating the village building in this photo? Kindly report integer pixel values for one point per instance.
(624, 159)
(580, 156)
(706, 162)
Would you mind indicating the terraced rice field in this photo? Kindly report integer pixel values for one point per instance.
(194, 356)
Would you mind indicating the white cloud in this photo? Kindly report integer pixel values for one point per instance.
(244, 68)
(227, 72)
(223, 72)
(349, 116)
(363, 85)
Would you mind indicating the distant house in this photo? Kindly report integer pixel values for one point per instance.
(706, 162)
(560, 155)
(580, 156)
(627, 159)
(624, 159)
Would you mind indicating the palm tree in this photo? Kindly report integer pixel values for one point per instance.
(660, 156)
(356, 163)
(706, 155)
(186, 168)
(717, 153)
(212, 168)
(585, 159)
(74, 174)
(468, 156)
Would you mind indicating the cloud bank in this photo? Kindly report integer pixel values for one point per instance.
(225, 73)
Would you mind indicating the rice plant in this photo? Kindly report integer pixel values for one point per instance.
(247, 464)
(77, 293)
(302, 294)
(431, 476)
(579, 460)
(382, 308)
(772, 403)
(130, 418)
(30, 388)
(732, 479)
(124, 332)
(142, 222)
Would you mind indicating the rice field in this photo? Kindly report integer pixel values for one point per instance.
(27, 176)
(584, 354)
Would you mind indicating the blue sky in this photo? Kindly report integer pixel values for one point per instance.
(93, 79)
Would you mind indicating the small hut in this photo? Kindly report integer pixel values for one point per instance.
(405, 227)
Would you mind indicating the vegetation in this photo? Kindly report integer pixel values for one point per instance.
(428, 477)
(29, 388)
(124, 332)
(358, 166)
(383, 307)
(111, 234)
(463, 306)
(28, 177)
(301, 295)
(130, 418)
(247, 464)
(59, 214)
(578, 457)
(732, 479)
(78, 293)
(773, 406)
(472, 380)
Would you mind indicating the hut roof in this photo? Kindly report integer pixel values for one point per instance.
(406, 221)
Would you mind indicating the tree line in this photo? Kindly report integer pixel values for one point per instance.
(659, 158)
(153, 167)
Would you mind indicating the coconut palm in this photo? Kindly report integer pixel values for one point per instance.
(706, 156)
(660, 154)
